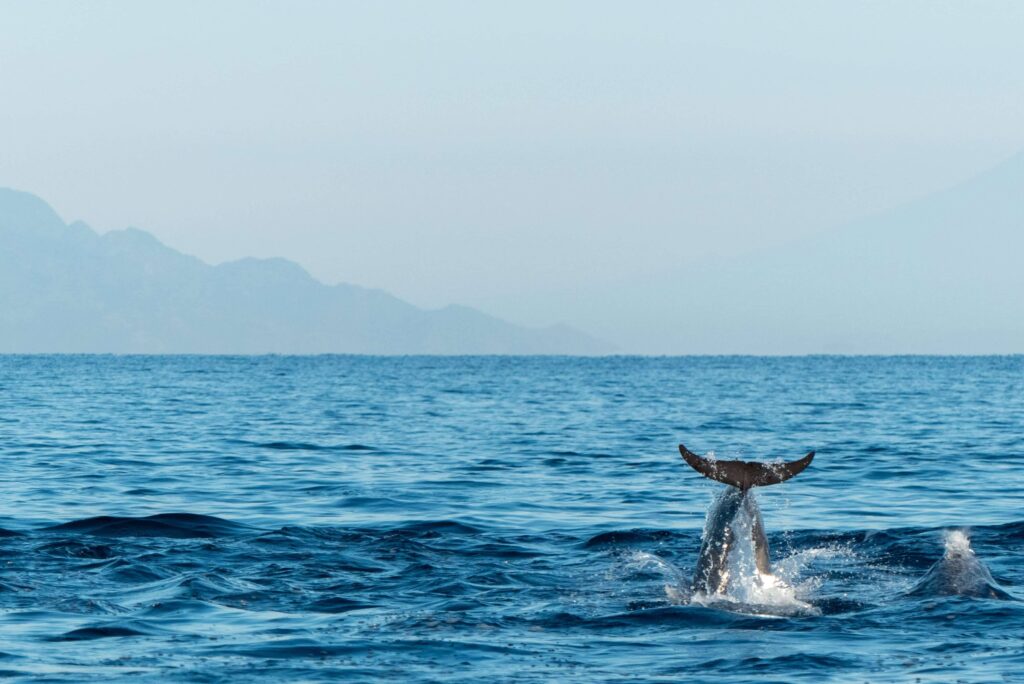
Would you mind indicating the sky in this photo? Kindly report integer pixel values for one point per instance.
(519, 157)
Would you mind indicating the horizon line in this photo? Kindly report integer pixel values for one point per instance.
(242, 355)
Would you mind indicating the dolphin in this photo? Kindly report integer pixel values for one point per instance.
(959, 573)
(712, 574)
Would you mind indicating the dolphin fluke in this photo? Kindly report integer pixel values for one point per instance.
(745, 474)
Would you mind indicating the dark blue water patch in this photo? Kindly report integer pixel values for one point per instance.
(132, 571)
(433, 529)
(89, 606)
(337, 604)
(76, 548)
(105, 631)
(630, 538)
(1008, 532)
(13, 587)
(489, 464)
(176, 525)
(813, 662)
(676, 617)
(305, 446)
(142, 491)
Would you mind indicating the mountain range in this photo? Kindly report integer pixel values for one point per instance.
(939, 275)
(64, 288)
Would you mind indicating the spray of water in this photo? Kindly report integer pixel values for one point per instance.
(748, 589)
(677, 586)
(783, 592)
(957, 543)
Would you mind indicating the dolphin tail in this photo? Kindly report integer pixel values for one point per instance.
(745, 474)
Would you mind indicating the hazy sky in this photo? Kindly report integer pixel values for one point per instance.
(513, 156)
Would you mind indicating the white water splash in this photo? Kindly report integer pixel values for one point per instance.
(750, 591)
(676, 587)
(957, 543)
(788, 590)
(792, 568)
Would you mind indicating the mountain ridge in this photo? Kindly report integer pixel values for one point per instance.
(66, 288)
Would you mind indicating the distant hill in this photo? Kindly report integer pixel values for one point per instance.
(64, 288)
(944, 274)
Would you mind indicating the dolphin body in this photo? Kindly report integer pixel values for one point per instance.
(712, 574)
(959, 573)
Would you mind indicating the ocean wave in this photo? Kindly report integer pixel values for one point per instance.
(306, 446)
(177, 525)
(627, 538)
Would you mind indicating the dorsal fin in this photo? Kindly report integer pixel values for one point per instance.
(745, 474)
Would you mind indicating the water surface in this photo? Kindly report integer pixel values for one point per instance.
(499, 519)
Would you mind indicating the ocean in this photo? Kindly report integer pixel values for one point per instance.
(519, 519)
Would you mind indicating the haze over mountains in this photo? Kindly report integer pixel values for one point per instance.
(941, 275)
(64, 288)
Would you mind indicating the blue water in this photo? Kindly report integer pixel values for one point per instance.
(500, 519)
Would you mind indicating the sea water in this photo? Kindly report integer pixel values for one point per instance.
(503, 519)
